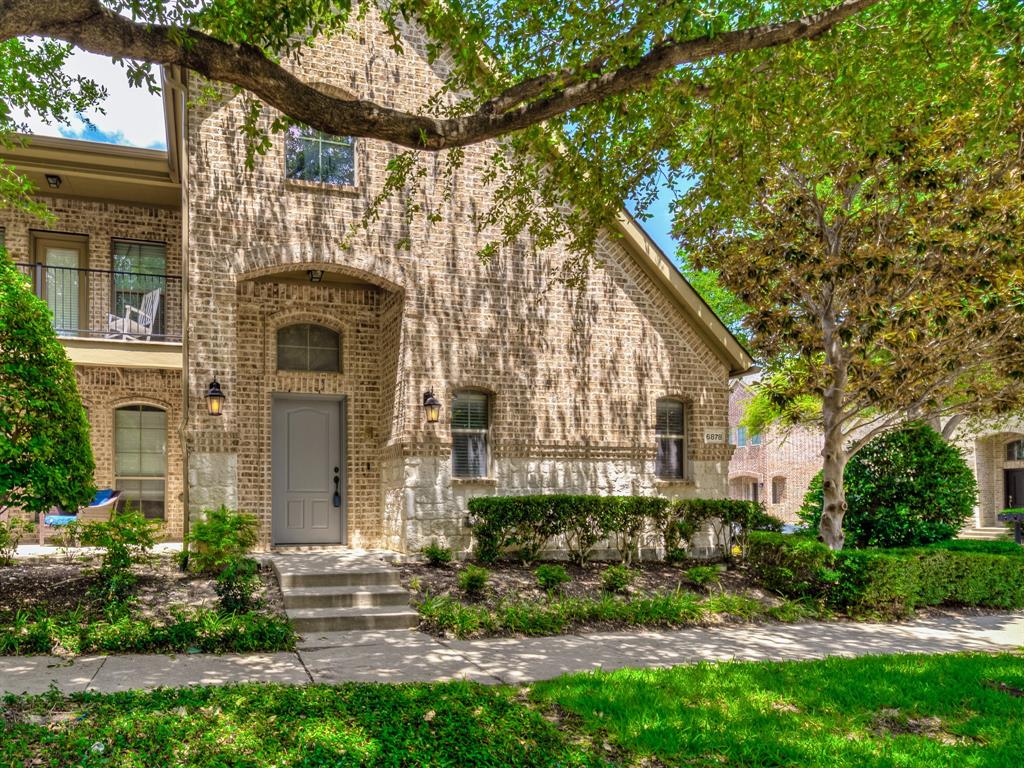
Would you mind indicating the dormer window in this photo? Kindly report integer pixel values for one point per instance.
(319, 158)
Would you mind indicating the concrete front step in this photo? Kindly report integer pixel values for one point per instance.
(985, 534)
(356, 577)
(345, 597)
(344, 619)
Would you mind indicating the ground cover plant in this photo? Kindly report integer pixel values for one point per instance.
(50, 605)
(912, 711)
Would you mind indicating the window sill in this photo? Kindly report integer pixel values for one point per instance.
(474, 481)
(322, 186)
(673, 482)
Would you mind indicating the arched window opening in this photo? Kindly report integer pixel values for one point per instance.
(308, 347)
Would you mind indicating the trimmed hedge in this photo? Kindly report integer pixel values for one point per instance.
(890, 582)
(525, 524)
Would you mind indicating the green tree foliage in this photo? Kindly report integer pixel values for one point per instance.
(725, 303)
(863, 197)
(45, 455)
(905, 488)
(588, 95)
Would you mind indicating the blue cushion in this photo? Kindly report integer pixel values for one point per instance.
(101, 496)
(55, 521)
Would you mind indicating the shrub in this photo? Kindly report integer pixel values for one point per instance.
(126, 539)
(11, 532)
(886, 582)
(551, 577)
(436, 555)
(473, 580)
(68, 538)
(219, 538)
(987, 547)
(904, 488)
(704, 575)
(626, 518)
(519, 523)
(237, 585)
(45, 454)
(616, 578)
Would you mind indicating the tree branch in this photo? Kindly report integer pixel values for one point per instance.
(89, 25)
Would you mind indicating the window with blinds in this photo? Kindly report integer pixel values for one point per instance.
(470, 422)
(669, 430)
(139, 269)
(140, 457)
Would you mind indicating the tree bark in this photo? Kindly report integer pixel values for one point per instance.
(92, 26)
(830, 530)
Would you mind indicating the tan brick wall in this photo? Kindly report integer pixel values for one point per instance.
(101, 223)
(792, 455)
(574, 375)
(105, 389)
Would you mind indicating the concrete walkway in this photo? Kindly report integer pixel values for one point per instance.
(407, 655)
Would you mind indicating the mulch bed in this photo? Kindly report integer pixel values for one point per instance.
(56, 586)
(515, 581)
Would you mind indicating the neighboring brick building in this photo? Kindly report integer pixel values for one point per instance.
(776, 467)
(327, 337)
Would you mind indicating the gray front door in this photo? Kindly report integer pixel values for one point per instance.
(308, 471)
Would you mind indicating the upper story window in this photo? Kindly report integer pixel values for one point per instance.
(315, 156)
(671, 439)
(1015, 451)
(741, 437)
(308, 347)
(140, 283)
(755, 439)
(470, 424)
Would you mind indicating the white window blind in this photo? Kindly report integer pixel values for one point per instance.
(470, 422)
(670, 459)
(140, 457)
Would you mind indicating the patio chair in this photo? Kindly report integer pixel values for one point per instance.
(137, 323)
(98, 510)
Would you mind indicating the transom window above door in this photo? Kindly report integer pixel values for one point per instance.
(1015, 451)
(319, 157)
(308, 347)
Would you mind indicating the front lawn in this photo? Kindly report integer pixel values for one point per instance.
(956, 710)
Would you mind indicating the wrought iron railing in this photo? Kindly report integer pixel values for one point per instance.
(109, 304)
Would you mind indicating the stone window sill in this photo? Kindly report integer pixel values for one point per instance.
(679, 482)
(322, 186)
(474, 481)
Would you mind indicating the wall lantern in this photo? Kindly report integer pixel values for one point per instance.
(53, 180)
(315, 275)
(215, 398)
(431, 407)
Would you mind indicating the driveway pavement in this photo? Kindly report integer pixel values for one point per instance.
(407, 655)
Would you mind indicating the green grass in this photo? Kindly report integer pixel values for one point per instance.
(923, 711)
(908, 711)
(445, 614)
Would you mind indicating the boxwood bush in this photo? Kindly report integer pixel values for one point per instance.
(888, 582)
(905, 488)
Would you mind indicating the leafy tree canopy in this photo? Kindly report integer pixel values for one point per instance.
(606, 84)
(45, 454)
(864, 198)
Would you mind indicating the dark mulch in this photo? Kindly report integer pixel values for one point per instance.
(56, 586)
(513, 580)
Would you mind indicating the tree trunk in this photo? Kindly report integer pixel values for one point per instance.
(830, 530)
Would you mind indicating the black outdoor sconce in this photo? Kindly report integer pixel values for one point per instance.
(431, 407)
(215, 398)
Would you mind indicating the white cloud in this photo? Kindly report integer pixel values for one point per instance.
(133, 116)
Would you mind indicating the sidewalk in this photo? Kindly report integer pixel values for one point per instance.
(407, 655)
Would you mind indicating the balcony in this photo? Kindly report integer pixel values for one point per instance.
(102, 304)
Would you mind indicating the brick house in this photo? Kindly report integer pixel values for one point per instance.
(327, 338)
(774, 468)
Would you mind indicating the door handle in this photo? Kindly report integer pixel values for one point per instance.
(337, 494)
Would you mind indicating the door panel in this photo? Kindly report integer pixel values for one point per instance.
(1013, 485)
(307, 447)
